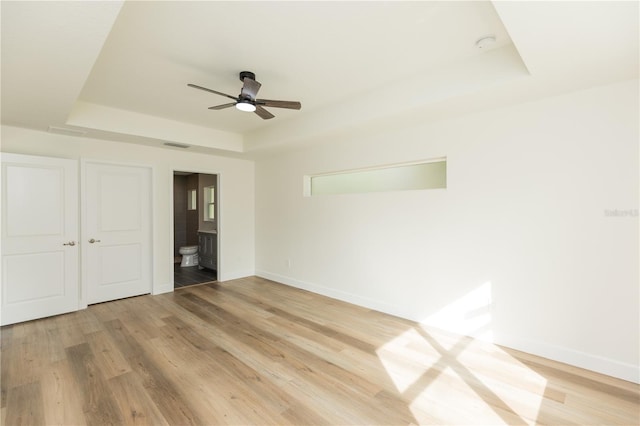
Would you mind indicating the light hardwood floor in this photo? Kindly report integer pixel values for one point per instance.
(252, 351)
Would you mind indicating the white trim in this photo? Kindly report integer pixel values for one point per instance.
(164, 288)
(236, 275)
(334, 294)
(82, 303)
(380, 167)
(155, 287)
(596, 363)
(172, 231)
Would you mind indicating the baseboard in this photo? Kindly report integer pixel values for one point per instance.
(235, 275)
(160, 289)
(609, 367)
(334, 294)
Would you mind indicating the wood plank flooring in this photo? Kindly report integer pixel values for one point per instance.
(252, 351)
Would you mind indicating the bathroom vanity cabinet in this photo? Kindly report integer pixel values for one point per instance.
(207, 249)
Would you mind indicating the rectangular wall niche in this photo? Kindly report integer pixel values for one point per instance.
(192, 200)
(430, 174)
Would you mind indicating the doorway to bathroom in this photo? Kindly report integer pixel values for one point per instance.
(195, 228)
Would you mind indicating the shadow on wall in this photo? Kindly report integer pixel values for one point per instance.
(470, 315)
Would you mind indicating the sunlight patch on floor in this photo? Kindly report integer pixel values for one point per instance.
(417, 357)
(446, 375)
(505, 377)
(450, 397)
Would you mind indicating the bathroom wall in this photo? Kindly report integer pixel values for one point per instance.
(193, 215)
(205, 180)
(179, 213)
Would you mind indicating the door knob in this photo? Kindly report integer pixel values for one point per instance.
(70, 243)
(94, 241)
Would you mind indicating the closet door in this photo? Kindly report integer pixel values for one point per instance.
(116, 231)
(39, 237)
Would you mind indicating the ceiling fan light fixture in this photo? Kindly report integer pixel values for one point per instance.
(246, 101)
(245, 106)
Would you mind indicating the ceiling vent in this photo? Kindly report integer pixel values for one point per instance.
(66, 131)
(177, 145)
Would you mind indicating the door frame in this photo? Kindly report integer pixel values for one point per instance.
(84, 286)
(219, 217)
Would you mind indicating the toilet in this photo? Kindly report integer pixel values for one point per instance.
(189, 255)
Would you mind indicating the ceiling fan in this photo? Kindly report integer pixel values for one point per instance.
(246, 100)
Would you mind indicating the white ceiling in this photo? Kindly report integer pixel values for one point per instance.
(119, 70)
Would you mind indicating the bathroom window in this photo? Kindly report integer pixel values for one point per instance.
(192, 199)
(430, 174)
(209, 203)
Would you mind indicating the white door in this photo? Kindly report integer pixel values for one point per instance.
(116, 231)
(39, 237)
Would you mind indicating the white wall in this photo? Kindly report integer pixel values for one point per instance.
(236, 193)
(519, 242)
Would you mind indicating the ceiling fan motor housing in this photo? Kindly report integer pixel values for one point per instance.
(245, 74)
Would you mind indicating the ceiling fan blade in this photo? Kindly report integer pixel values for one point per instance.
(263, 113)
(223, 106)
(212, 91)
(279, 104)
(250, 87)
